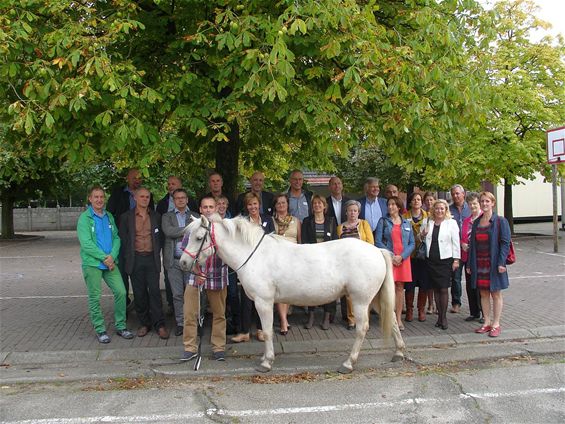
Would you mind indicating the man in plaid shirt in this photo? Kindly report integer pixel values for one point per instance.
(215, 284)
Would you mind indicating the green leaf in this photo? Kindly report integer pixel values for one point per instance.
(49, 121)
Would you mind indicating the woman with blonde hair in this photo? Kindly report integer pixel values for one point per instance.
(489, 247)
(443, 252)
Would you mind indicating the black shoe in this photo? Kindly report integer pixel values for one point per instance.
(471, 318)
(219, 356)
(444, 327)
(188, 356)
(481, 320)
(179, 330)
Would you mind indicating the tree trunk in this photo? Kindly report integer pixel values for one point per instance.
(7, 215)
(227, 160)
(508, 212)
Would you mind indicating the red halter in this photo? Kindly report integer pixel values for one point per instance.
(212, 244)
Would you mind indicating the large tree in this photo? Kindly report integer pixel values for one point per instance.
(238, 85)
(527, 78)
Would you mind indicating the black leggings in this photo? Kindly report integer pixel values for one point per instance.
(442, 300)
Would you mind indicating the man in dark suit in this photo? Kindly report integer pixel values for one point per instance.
(373, 207)
(122, 200)
(336, 200)
(141, 240)
(257, 181)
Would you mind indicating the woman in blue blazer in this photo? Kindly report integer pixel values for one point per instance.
(489, 247)
(394, 233)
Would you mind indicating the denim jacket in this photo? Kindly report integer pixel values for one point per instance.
(383, 236)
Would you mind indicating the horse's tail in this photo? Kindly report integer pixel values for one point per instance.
(386, 297)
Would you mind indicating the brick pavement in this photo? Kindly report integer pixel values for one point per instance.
(43, 305)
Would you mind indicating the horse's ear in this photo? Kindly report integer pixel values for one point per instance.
(205, 222)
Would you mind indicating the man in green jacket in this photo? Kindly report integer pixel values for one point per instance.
(99, 249)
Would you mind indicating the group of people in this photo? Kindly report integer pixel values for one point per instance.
(430, 243)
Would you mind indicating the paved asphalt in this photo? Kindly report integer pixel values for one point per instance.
(46, 335)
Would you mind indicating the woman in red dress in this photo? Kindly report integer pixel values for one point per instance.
(394, 233)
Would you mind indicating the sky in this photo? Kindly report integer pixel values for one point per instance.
(552, 11)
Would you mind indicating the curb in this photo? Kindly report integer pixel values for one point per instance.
(292, 357)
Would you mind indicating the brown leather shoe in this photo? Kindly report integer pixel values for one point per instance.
(242, 337)
(163, 333)
(142, 331)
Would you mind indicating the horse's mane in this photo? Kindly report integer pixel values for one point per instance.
(250, 233)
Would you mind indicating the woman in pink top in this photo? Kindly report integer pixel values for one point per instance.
(473, 295)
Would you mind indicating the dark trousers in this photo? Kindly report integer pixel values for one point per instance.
(146, 292)
(168, 290)
(456, 289)
(473, 296)
(125, 277)
(233, 302)
(248, 313)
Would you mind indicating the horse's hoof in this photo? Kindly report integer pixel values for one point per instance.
(397, 358)
(344, 370)
(262, 368)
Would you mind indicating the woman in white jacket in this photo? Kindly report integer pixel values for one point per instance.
(443, 254)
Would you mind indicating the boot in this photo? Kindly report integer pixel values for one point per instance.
(422, 298)
(310, 322)
(326, 322)
(409, 295)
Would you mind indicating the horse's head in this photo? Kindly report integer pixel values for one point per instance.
(201, 243)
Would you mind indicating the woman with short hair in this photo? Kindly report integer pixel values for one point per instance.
(252, 205)
(318, 228)
(355, 228)
(473, 296)
(394, 233)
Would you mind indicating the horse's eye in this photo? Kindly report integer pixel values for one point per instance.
(199, 238)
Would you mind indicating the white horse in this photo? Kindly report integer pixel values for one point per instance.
(275, 270)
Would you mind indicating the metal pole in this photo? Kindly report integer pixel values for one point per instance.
(554, 192)
(562, 204)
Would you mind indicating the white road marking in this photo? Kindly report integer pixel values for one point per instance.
(287, 411)
(521, 277)
(77, 296)
(26, 257)
(552, 254)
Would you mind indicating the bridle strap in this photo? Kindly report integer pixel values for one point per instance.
(213, 245)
